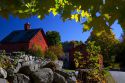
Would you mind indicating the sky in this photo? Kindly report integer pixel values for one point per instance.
(69, 30)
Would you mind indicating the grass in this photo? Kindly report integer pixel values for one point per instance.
(110, 79)
(67, 70)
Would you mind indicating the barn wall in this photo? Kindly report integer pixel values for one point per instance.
(10, 47)
(39, 40)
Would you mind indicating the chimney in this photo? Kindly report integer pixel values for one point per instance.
(26, 26)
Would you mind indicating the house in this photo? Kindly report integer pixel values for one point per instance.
(23, 40)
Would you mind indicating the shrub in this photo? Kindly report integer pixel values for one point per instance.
(36, 51)
(57, 50)
(4, 60)
(78, 59)
(50, 55)
(95, 74)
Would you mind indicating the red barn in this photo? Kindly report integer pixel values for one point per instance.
(24, 40)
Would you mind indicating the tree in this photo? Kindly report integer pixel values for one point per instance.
(94, 73)
(56, 50)
(120, 58)
(109, 11)
(50, 55)
(67, 45)
(108, 43)
(53, 38)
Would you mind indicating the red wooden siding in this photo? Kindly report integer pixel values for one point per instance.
(9, 47)
(39, 40)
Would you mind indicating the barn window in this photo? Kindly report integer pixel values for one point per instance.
(40, 38)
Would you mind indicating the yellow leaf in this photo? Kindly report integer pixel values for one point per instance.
(87, 14)
(33, 10)
(72, 16)
(83, 13)
(39, 16)
(76, 17)
(60, 1)
(107, 16)
(53, 10)
(20, 11)
(50, 10)
(86, 27)
(54, 13)
(98, 33)
(89, 19)
(79, 8)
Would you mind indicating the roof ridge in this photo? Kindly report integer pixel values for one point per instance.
(20, 36)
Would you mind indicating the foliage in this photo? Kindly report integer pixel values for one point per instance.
(36, 51)
(93, 55)
(88, 61)
(109, 78)
(91, 63)
(56, 50)
(120, 58)
(4, 60)
(67, 45)
(109, 11)
(53, 38)
(78, 59)
(50, 55)
(108, 44)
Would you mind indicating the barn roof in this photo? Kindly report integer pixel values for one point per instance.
(20, 36)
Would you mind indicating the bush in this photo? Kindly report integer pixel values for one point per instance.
(36, 51)
(57, 50)
(50, 55)
(4, 60)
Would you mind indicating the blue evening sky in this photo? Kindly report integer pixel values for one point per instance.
(69, 30)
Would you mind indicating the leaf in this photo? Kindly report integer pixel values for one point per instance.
(53, 10)
(33, 10)
(78, 9)
(87, 14)
(86, 27)
(20, 11)
(39, 16)
(73, 16)
(76, 17)
(89, 19)
(107, 16)
(83, 13)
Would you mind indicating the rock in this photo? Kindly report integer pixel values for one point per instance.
(26, 58)
(18, 66)
(3, 73)
(64, 74)
(3, 80)
(20, 78)
(30, 58)
(58, 64)
(27, 63)
(71, 80)
(44, 75)
(27, 69)
(50, 65)
(58, 78)
(10, 72)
